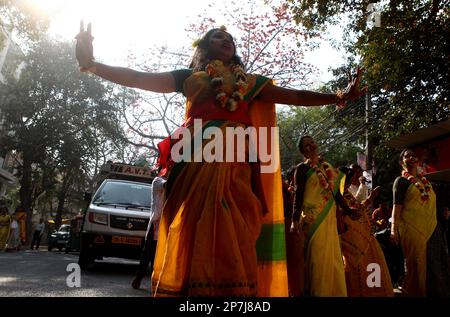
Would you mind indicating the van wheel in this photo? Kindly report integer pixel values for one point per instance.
(85, 259)
(49, 248)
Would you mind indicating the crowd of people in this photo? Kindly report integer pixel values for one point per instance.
(222, 231)
(409, 244)
(12, 228)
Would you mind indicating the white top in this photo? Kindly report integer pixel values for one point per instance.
(40, 227)
(14, 224)
(362, 193)
(157, 204)
(353, 189)
(157, 198)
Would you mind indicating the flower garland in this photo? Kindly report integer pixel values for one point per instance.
(424, 190)
(215, 70)
(325, 180)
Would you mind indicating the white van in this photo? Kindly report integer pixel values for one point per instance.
(115, 223)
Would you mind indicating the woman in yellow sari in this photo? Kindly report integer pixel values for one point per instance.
(222, 228)
(5, 222)
(314, 218)
(366, 271)
(420, 236)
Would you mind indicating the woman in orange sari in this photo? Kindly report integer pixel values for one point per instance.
(362, 253)
(22, 221)
(222, 228)
(416, 229)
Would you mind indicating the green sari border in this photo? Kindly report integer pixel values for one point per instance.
(325, 210)
(261, 81)
(271, 244)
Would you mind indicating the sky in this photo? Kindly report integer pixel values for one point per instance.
(136, 25)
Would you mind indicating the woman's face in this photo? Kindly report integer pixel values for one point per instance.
(309, 147)
(409, 158)
(221, 46)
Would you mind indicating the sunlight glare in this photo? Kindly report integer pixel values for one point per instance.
(120, 26)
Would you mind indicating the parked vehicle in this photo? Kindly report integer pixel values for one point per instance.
(73, 244)
(116, 220)
(58, 238)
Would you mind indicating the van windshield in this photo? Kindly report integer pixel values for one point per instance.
(127, 194)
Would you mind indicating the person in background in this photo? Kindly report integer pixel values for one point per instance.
(314, 219)
(21, 217)
(357, 173)
(37, 234)
(14, 237)
(5, 224)
(148, 252)
(363, 191)
(380, 216)
(294, 259)
(416, 229)
(446, 225)
(361, 250)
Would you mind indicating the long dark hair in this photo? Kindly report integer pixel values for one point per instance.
(348, 172)
(201, 56)
(300, 143)
(402, 153)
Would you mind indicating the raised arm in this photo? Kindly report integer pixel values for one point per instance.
(157, 82)
(275, 94)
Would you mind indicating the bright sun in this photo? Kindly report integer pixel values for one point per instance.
(120, 26)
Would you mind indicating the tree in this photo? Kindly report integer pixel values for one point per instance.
(52, 116)
(24, 18)
(334, 141)
(406, 57)
(266, 39)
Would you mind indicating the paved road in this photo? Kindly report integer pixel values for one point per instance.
(33, 273)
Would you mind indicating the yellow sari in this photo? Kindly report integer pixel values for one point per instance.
(417, 223)
(361, 249)
(324, 268)
(5, 222)
(213, 238)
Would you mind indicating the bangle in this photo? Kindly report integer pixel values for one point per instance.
(340, 98)
(91, 69)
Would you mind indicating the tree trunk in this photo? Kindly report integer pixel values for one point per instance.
(25, 195)
(62, 194)
(60, 208)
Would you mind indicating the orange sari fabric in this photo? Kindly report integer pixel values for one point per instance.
(361, 250)
(213, 238)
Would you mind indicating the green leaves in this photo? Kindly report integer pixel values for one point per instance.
(406, 57)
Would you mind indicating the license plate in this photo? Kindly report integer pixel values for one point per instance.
(61, 241)
(126, 240)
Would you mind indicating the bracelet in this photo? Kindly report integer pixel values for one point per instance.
(91, 69)
(340, 98)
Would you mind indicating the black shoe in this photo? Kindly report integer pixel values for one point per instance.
(136, 283)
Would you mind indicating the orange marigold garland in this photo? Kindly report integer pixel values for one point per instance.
(326, 181)
(424, 189)
(215, 70)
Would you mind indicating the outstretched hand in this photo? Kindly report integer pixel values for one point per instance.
(84, 50)
(353, 90)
